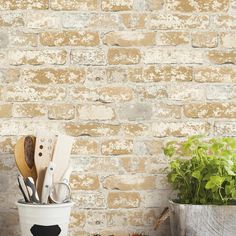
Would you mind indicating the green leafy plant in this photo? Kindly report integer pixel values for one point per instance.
(203, 171)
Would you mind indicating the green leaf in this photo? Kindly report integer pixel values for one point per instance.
(197, 174)
(215, 181)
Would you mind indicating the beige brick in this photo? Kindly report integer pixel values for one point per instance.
(9, 75)
(91, 129)
(222, 57)
(134, 130)
(29, 110)
(96, 75)
(95, 112)
(123, 56)
(96, 218)
(164, 110)
(158, 198)
(137, 111)
(43, 20)
(84, 182)
(4, 40)
(134, 20)
(69, 38)
(210, 110)
(123, 200)
(183, 92)
(163, 73)
(88, 57)
(177, 21)
(84, 94)
(118, 5)
(5, 110)
(227, 40)
(74, 5)
(6, 164)
(172, 38)
(116, 74)
(135, 218)
(22, 127)
(116, 218)
(33, 93)
(134, 165)
(110, 20)
(153, 5)
(104, 94)
(151, 92)
(148, 147)
(173, 55)
(11, 20)
(179, 129)
(227, 22)
(78, 218)
(157, 166)
(23, 4)
(107, 165)
(212, 74)
(129, 39)
(221, 92)
(37, 57)
(46, 76)
(204, 40)
(3, 58)
(89, 200)
(115, 94)
(129, 182)
(225, 128)
(117, 147)
(85, 147)
(91, 20)
(198, 6)
(61, 112)
(22, 39)
(7, 144)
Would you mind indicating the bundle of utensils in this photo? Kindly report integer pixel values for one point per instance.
(43, 161)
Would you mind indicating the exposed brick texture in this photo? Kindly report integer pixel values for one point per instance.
(122, 77)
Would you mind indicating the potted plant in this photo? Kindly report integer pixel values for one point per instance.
(203, 173)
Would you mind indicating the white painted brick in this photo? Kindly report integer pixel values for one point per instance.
(173, 55)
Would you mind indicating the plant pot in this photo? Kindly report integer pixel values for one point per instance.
(44, 220)
(202, 220)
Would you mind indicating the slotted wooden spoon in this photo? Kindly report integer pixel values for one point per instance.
(24, 156)
(43, 155)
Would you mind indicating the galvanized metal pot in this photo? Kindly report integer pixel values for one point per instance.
(202, 220)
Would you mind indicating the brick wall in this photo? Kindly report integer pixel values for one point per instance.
(122, 77)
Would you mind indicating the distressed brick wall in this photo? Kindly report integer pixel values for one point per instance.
(122, 77)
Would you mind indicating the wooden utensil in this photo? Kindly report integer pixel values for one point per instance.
(43, 154)
(61, 156)
(47, 184)
(24, 159)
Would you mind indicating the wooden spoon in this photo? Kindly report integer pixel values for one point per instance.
(24, 158)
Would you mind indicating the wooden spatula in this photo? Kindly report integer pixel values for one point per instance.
(61, 156)
(24, 158)
(42, 156)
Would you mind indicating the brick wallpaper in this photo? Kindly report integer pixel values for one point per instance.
(123, 77)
